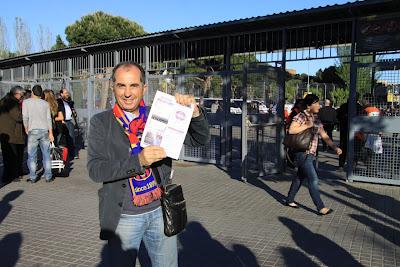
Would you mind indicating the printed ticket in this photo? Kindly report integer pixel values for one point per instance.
(167, 124)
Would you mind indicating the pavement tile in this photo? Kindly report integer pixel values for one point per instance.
(57, 224)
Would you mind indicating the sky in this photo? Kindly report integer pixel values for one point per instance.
(153, 15)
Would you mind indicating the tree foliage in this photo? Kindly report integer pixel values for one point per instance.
(364, 75)
(339, 96)
(329, 75)
(59, 43)
(100, 27)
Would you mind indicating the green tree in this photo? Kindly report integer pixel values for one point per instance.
(339, 96)
(364, 75)
(329, 75)
(59, 43)
(292, 90)
(100, 27)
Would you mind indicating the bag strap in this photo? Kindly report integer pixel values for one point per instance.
(159, 181)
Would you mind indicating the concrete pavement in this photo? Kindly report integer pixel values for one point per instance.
(231, 223)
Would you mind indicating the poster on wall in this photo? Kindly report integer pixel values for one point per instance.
(378, 34)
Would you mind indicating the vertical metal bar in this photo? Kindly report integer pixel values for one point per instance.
(51, 70)
(280, 132)
(116, 57)
(244, 123)
(226, 140)
(23, 73)
(146, 69)
(69, 74)
(182, 66)
(352, 102)
(12, 74)
(90, 92)
(35, 72)
(373, 73)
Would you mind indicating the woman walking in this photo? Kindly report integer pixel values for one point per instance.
(306, 160)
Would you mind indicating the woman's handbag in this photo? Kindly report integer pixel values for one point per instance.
(299, 142)
(173, 207)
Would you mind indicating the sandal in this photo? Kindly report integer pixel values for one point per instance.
(326, 212)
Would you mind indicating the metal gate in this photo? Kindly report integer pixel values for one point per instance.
(244, 109)
(206, 88)
(374, 137)
(261, 127)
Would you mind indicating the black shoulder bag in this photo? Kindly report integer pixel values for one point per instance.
(173, 206)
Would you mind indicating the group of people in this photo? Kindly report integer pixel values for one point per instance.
(34, 118)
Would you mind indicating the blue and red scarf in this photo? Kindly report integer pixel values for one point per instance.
(144, 188)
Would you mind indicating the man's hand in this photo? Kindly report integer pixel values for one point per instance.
(51, 137)
(187, 100)
(151, 154)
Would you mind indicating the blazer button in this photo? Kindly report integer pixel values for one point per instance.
(120, 204)
(123, 185)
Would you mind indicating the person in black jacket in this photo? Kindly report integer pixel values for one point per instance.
(343, 118)
(327, 115)
(129, 200)
(66, 127)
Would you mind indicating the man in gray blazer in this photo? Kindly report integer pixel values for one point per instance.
(116, 159)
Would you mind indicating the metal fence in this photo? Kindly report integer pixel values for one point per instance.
(230, 67)
(375, 130)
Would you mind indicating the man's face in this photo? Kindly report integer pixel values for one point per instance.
(65, 94)
(128, 89)
(18, 95)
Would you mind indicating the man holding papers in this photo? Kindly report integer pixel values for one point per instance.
(129, 200)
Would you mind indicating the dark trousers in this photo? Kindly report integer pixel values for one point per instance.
(328, 127)
(13, 155)
(73, 149)
(306, 170)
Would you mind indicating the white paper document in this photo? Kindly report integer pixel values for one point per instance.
(167, 124)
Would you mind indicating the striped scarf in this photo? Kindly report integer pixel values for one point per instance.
(144, 188)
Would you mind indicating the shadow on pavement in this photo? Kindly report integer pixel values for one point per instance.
(374, 200)
(11, 243)
(5, 206)
(327, 251)
(112, 254)
(200, 249)
(362, 210)
(9, 249)
(296, 258)
(387, 232)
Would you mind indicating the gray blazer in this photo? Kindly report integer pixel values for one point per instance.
(110, 162)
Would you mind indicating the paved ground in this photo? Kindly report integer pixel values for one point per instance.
(231, 223)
